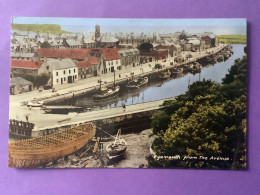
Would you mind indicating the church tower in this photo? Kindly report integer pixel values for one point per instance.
(97, 33)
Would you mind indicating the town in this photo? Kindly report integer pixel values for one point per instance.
(48, 69)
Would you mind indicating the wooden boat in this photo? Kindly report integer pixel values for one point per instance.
(35, 103)
(165, 75)
(116, 148)
(107, 93)
(137, 83)
(42, 150)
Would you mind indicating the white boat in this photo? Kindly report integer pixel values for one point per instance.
(35, 103)
(117, 148)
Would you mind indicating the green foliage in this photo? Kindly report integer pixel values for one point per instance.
(145, 47)
(42, 28)
(209, 120)
(239, 39)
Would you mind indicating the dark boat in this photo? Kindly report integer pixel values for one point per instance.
(177, 71)
(137, 83)
(165, 75)
(196, 68)
(117, 148)
(106, 93)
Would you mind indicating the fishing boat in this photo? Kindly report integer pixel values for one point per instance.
(35, 103)
(106, 93)
(117, 148)
(196, 68)
(137, 83)
(165, 75)
(42, 150)
(177, 71)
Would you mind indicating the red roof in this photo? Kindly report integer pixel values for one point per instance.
(80, 54)
(25, 64)
(205, 37)
(110, 53)
(88, 63)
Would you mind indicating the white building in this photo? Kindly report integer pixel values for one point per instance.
(61, 70)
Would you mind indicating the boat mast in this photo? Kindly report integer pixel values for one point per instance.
(114, 78)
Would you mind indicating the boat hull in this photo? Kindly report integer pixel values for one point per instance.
(39, 151)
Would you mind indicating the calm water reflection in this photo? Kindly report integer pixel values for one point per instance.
(161, 90)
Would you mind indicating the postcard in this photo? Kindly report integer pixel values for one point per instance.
(128, 93)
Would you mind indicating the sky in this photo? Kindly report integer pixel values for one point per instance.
(83, 24)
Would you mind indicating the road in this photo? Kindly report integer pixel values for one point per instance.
(44, 121)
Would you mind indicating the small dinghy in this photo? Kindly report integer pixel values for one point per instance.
(116, 148)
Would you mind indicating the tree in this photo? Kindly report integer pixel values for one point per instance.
(145, 47)
(209, 120)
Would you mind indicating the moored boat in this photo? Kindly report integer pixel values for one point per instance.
(165, 75)
(107, 93)
(137, 83)
(35, 103)
(42, 150)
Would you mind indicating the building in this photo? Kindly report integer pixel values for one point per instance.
(25, 67)
(60, 70)
(173, 49)
(129, 57)
(134, 40)
(19, 85)
(105, 41)
(110, 60)
(75, 54)
(70, 43)
(25, 56)
(88, 68)
(153, 56)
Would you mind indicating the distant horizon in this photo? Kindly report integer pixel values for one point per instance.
(113, 25)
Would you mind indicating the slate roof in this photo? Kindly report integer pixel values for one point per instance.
(19, 81)
(108, 40)
(61, 64)
(72, 42)
(25, 64)
(22, 55)
(194, 41)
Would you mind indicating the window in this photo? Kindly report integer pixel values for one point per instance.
(57, 73)
(69, 71)
(75, 76)
(47, 67)
(111, 63)
(116, 62)
(74, 70)
(57, 80)
(64, 72)
(64, 78)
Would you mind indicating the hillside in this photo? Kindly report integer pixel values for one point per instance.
(239, 39)
(41, 28)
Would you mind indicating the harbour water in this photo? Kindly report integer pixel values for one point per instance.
(166, 89)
